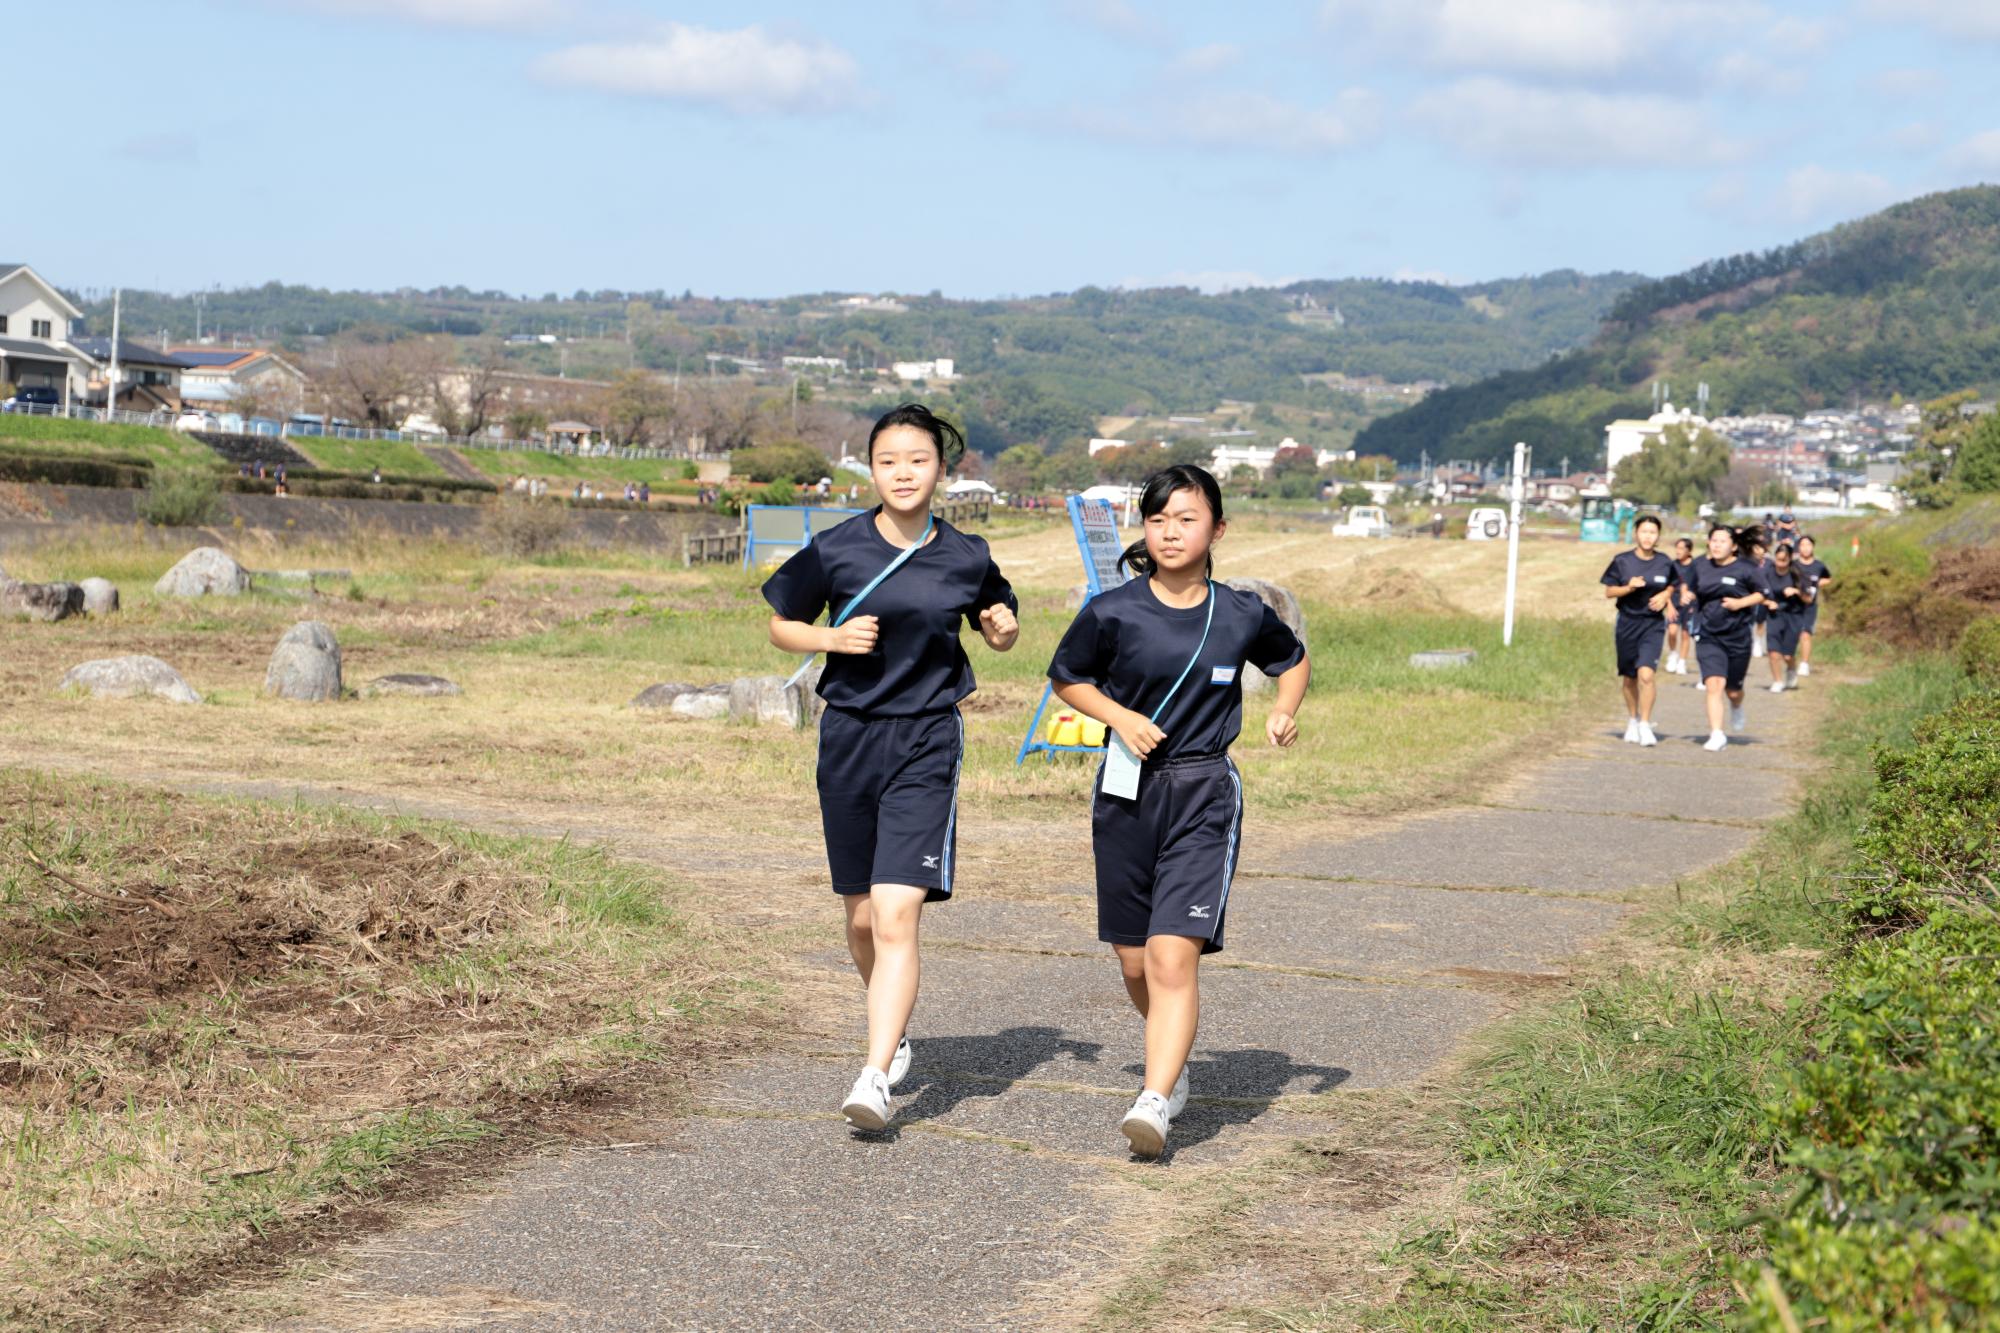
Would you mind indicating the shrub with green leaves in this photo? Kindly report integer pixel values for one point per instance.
(1884, 1276)
(180, 498)
(1933, 825)
(1979, 651)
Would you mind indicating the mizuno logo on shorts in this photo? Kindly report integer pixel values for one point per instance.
(1201, 912)
(930, 862)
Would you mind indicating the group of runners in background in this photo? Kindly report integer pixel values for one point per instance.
(1746, 595)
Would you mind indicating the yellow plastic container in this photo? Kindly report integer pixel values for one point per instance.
(1093, 731)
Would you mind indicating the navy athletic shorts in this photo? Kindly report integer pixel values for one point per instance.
(1639, 640)
(1811, 616)
(1783, 635)
(888, 798)
(1165, 860)
(1727, 658)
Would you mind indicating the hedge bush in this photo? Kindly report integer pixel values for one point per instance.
(1933, 827)
(180, 498)
(67, 470)
(1979, 651)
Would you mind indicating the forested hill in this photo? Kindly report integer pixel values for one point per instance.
(1035, 368)
(1906, 301)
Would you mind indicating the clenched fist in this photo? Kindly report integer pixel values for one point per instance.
(855, 636)
(998, 627)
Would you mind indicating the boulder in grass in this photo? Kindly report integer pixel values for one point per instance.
(411, 683)
(710, 701)
(203, 572)
(1281, 600)
(100, 597)
(661, 696)
(129, 677)
(40, 601)
(769, 699)
(305, 665)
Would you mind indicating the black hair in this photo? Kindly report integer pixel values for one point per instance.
(1160, 488)
(1684, 541)
(949, 439)
(1805, 537)
(1745, 537)
(1644, 519)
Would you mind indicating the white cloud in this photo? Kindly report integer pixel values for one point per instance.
(1903, 84)
(1979, 153)
(1742, 72)
(1805, 196)
(1119, 18)
(1583, 40)
(1918, 136)
(1977, 19)
(447, 13)
(1210, 59)
(744, 70)
(1496, 120)
(1234, 120)
(1210, 280)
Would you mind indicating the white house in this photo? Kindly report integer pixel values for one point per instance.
(1628, 436)
(34, 335)
(220, 376)
(943, 368)
(148, 380)
(1228, 457)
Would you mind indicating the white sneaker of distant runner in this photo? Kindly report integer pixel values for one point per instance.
(1736, 721)
(1631, 730)
(1777, 687)
(867, 1105)
(1805, 668)
(1178, 1102)
(1791, 678)
(899, 1064)
(1716, 741)
(1757, 646)
(1145, 1125)
(1646, 736)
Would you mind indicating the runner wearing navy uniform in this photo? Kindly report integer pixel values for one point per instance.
(1158, 660)
(1760, 556)
(891, 741)
(1643, 581)
(1820, 578)
(1680, 642)
(1727, 591)
(1791, 597)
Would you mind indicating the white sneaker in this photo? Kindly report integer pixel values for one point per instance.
(1178, 1102)
(1805, 668)
(899, 1064)
(1757, 646)
(1646, 736)
(1791, 679)
(1145, 1125)
(1631, 730)
(867, 1105)
(1716, 741)
(1736, 721)
(1777, 687)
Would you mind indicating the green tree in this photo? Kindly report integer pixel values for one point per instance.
(1355, 495)
(1678, 469)
(1069, 468)
(1018, 469)
(780, 460)
(1978, 466)
(1294, 473)
(1941, 438)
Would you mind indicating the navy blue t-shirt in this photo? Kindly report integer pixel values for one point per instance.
(1712, 583)
(1660, 573)
(1776, 583)
(1812, 571)
(1684, 588)
(918, 665)
(1131, 645)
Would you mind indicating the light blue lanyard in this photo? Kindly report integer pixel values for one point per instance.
(930, 521)
(1205, 626)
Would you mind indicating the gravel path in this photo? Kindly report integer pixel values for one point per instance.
(1355, 963)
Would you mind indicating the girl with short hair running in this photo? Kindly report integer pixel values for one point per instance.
(1643, 581)
(1158, 660)
(891, 742)
(1727, 591)
(1759, 554)
(1819, 578)
(1790, 597)
(1680, 642)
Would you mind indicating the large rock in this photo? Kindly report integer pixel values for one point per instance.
(1281, 600)
(305, 665)
(707, 701)
(40, 601)
(662, 696)
(405, 682)
(128, 677)
(100, 596)
(204, 571)
(768, 699)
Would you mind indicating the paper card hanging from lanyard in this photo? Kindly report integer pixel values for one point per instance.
(1121, 766)
(930, 521)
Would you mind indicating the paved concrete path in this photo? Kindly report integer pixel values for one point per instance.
(1358, 962)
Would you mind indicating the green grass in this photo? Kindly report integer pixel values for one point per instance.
(1615, 1142)
(396, 458)
(59, 435)
(504, 465)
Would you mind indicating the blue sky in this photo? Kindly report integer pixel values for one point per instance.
(982, 148)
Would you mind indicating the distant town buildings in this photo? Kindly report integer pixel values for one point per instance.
(943, 368)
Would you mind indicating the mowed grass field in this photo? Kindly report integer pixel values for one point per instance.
(217, 1016)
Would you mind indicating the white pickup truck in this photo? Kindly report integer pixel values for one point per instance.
(1363, 521)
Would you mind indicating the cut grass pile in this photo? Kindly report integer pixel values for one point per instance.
(218, 1017)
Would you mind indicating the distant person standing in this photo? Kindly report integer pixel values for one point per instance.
(1642, 580)
(1437, 524)
(1819, 578)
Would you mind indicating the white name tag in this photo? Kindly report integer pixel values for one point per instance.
(1659, 578)
(1121, 770)
(1222, 675)
(1729, 581)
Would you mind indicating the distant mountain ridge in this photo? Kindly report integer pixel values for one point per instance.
(1905, 301)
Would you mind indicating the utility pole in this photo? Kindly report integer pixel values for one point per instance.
(111, 389)
(1514, 540)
